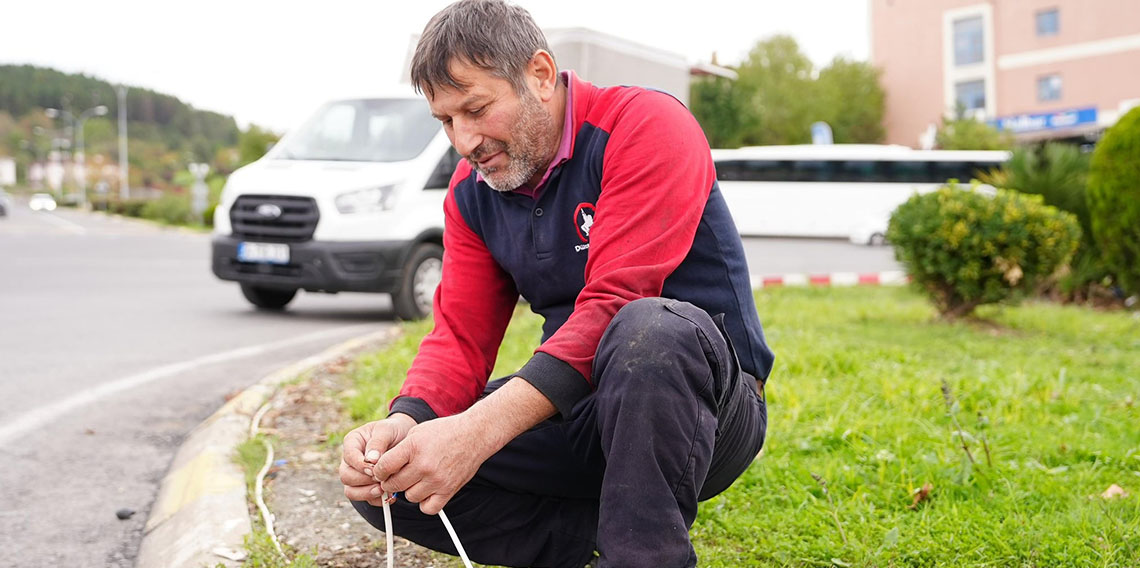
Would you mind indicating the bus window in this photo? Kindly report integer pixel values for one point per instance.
(861, 171)
(909, 172)
(813, 170)
(753, 170)
(961, 171)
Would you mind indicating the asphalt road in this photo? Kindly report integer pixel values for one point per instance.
(116, 340)
(775, 257)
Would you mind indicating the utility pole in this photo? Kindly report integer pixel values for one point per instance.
(124, 183)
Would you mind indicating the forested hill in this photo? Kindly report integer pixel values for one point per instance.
(164, 132)
(26, 90)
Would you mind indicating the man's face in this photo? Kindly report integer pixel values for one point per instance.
(508, 138)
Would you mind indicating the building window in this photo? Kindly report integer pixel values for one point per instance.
(1049, 88)
(971, 95)
(969, 41)
(1048, 22)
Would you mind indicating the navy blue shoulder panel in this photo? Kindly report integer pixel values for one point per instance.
(714, 276)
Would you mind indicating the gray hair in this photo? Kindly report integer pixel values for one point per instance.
(493, 35)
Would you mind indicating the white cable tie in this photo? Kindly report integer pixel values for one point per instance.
(389, 541)
(446, 525)
(454, 538)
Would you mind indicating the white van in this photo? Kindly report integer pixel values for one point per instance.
(352, 201)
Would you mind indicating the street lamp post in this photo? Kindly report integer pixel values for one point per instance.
(79, 123)
(58, 144)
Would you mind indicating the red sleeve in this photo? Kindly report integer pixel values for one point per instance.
(656, 178)
(471, 309)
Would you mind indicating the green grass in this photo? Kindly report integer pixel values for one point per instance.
(261, 553)
(856, 398)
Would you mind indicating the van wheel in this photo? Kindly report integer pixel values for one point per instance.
(421, 276)
(268, 298)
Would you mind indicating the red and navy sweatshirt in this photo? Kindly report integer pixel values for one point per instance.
(634, 212)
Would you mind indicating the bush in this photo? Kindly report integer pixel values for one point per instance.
(965, 248)
(128, 208)
(172, 209)
(1114, 199)
(1059, 173)
(208, 215)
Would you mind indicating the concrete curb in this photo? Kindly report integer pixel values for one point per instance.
(886, 278)
(200, 517)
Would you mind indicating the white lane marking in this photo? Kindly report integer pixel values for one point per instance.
(69, 225)
(44, 414)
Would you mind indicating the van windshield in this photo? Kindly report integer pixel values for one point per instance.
(371, 130)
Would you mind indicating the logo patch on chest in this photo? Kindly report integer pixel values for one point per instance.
(583, 222)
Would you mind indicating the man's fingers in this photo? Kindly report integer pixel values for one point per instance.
(353, 449)
(434, 504)
(381, 440)
(392, 461)
(351, 477)
(364, 493)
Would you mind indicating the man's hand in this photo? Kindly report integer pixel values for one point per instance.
(434, 461)
(362, 449)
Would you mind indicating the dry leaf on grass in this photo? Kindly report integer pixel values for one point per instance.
(921, 494)
(1114, 491)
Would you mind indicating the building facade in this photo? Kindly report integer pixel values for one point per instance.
(1041, 69)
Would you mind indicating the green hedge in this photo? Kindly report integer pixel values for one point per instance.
(1114, 199)
(966, 248)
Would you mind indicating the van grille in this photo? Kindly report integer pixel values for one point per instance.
(296, 222)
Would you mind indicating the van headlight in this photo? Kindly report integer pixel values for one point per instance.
(366, 200)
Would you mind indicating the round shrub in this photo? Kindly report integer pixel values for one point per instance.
(1114, 199)
(965, 247)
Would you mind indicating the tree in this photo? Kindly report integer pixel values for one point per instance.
(777, 97)
(777, 82)
(851, 101)
(965, 133)
(254, 143)
(721, 109)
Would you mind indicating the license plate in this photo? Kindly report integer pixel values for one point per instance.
(272, 253)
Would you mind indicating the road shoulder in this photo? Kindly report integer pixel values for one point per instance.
(200, 515)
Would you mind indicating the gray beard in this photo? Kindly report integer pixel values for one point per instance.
(531, 152)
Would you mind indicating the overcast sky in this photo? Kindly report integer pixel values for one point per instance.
(271, 63)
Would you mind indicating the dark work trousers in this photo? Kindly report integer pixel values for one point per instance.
(673, 421)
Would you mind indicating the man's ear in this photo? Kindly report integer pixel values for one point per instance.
(542, 75)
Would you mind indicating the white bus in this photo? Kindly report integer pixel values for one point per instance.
(835, 191)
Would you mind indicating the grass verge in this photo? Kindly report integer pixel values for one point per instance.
(261, 553)
(896, 439)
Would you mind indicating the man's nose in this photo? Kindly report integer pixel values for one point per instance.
(465, 137)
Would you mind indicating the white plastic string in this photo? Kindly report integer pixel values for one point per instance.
(454, 538)
(446, 525)
(388, 533)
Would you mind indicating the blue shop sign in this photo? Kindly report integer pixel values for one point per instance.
(1046, 121)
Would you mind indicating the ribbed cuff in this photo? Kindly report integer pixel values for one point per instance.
(556, 380)
(414, 407)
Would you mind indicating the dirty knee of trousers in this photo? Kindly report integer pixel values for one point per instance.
(654, 343)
